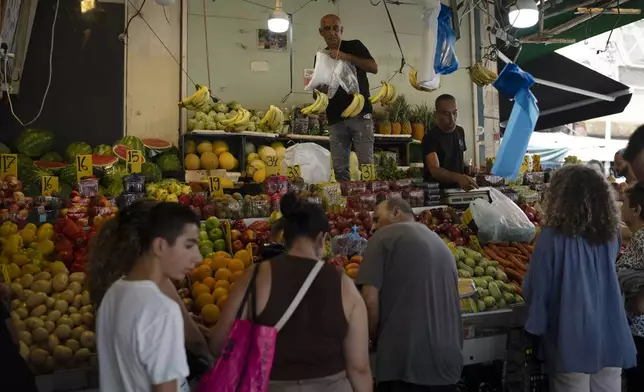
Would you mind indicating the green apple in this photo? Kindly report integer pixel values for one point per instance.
(204, 250)
(212, 223)
(220, 245)
(203, 235)
(206, 243)
(203, 227)
(215, 234)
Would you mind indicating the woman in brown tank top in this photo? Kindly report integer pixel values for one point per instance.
(324, 345)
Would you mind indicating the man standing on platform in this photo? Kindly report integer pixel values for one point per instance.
(345, 131)
(410, 286)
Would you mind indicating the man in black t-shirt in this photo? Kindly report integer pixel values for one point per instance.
(443, 147)
(346, 131)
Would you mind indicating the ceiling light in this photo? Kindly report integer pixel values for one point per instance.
(278, 19)
(523, 14)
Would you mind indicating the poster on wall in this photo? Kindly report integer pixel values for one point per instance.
(267, 40)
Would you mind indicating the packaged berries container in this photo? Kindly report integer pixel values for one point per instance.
(134, 183)
(378, 186)
(415, 197)
(88, 187)
(489, 180)
(398, 185)
(276, 185)
(227, 207)
(257, 208)
(350, 188)
(363, 202)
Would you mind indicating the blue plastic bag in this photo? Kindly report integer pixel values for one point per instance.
(512, 79)
(445, 61)
(515, 141)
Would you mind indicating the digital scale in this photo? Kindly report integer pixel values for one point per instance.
(459, 198)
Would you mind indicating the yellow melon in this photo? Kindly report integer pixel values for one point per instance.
(209, 160)
(190, 147)
(203, 147)
(219, 147)
(192, 162)
(259, 175)
(227, 161)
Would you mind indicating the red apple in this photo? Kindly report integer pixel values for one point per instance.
(348, 213)
(346, 231)
(249, 236)
(454, 233)
(363, 215)
(459, 241)
(237, 246)
(334, 232)
(235, 235)
(341, 223)
(367, 223)
(255, 248)
(331, 216)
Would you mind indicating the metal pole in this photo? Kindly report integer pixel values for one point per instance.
(562, 86)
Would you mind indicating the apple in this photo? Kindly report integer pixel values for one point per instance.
(331, 216)
(331, 225)
(254, 248)
(459, 241)
(249, 236)
(426, 215)
(454, 232)
(434, 228)
(362, 215)
(530, 210)
(355, 221)
(334, 232)
(235, 235)
(341, 223)
(530, 216)
(203, 235)
(208, 211)
(348, 213)
(346, 231)
(367, 223)
(185, 200)
(237, 246)
(362, 234)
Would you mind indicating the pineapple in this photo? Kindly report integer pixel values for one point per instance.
(405, 114)
(417, 121)
(383, 124)
(395, 117)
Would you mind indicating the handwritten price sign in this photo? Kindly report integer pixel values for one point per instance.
(214, 183)
(292, 172)
(49, 184)
(84, 166)
(273, 166)
(8, 165)
(133, 161)
(368, 172)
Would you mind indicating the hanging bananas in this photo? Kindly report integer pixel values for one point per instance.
(481, 75)
(386, 95)
(199, 99)
(413, 80)
(319, 106)
(355, 107)
(273, 120)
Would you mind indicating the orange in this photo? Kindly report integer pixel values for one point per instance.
(219, 292)
(210, 314)
(221, 301)
(219, 262)
(206, 262)
(235, 265)
(353, 272)
(244, 256)
(203, 300)
(236, 275)
(200, 288)
(223, 274)
(352, 265)
(222, 283)
(210, 282)
(222, 254)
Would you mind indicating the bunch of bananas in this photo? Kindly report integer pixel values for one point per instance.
(241, 119)
(199, 99)
(355, 107)
(481, 76)
(413, 80)
(273, 119)
(386, 95)
(320, 104)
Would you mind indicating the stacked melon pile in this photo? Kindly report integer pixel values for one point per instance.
(257, 159)
(211, 282)
(209, 156)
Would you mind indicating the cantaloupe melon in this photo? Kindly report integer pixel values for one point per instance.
(192, 162)
(209, 161)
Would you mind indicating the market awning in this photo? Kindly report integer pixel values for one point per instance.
(559, 107)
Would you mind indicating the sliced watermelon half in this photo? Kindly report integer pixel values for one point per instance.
(103, 160)
(156, 144)
(53, 166)
(121, 151)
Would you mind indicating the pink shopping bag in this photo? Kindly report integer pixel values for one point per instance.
(247, 357)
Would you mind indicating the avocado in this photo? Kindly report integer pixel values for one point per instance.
(481, 292)
(493, 263)
(487, 278)
(482, 263)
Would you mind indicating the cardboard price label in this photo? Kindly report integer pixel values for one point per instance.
(133, 161)
(214, 183)
(292, 172)
(273, 166)
(49, 184)
(8, 165)
(84, 167)
(368, 172)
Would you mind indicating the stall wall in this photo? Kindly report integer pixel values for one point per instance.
(232, 47)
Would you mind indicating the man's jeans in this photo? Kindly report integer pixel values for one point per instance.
(357, 130)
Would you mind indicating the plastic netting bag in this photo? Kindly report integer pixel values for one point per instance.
(445, 61)
(349, 244)
(333, 73)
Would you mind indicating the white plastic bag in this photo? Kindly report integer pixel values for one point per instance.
(334, 74)
(489, 221)
(518, 226)
(313, 159)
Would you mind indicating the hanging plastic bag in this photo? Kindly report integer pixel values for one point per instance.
(426, 75)
(445, 61)
(488, 220)
(314, 161)
(323, 72)
(334, 74)
(518, 226)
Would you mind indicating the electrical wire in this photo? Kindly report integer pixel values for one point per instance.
(51, 61)
(619, 14)
(205, 31)
(136, 13)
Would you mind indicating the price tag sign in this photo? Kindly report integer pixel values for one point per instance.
(8, 165)
(133, 161)
(292, 172)
(368, 172)
(48, 185)
(214, 183)
(84, 166)
(273, 166)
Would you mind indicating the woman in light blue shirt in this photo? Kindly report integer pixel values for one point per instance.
(572, 292)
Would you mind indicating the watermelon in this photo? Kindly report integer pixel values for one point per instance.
(121, 150)
(4, 149)
(169, 162)
(77, 149)
(131, 142)
(51, 156)
(103, 160)
(68, 175)
(103, 149)
(156, 144)
(53, 166)
(114, 173)
(151, 172)
(25, 166)
(35, 142)
(114, 189)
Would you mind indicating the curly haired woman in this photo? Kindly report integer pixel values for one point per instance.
(572, 292)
